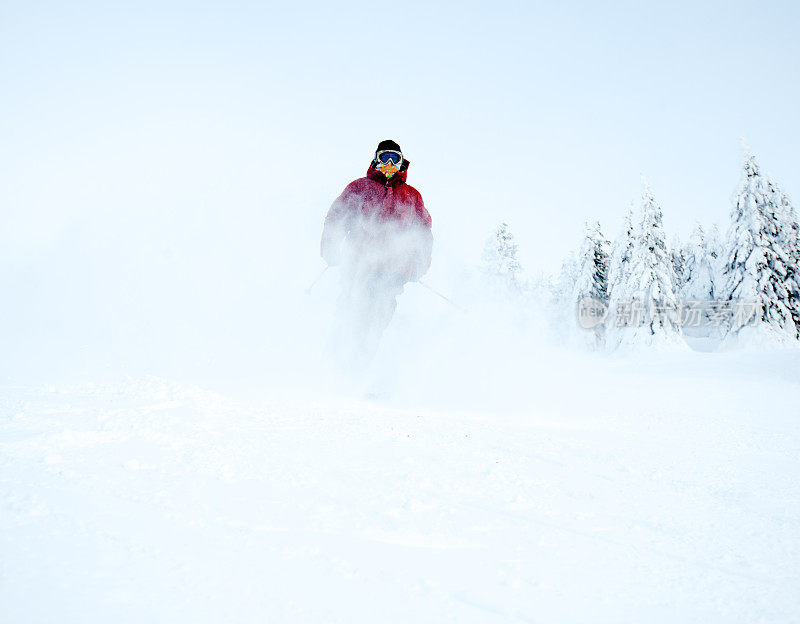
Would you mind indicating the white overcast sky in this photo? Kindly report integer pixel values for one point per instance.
(156, 125)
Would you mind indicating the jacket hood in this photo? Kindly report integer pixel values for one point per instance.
(397, 178)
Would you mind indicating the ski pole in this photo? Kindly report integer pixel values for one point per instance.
(319, 277)
(438, 294)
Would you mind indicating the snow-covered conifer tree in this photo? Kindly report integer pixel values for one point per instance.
(789, 231)
(592, 279)
(500, 262)
(756, 266)
(563, 302)
(714, 243)
(654, 303)
(677, 254)
(592, 276)
(700, 269)
(619, 279)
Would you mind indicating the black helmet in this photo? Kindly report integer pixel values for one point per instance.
(388, 144)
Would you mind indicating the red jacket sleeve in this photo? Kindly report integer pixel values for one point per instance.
(422, 260)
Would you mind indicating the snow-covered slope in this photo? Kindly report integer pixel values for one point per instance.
(151, 501)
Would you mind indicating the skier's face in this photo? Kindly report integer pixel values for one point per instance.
(388, 162)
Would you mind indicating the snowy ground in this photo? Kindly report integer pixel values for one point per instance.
(149, 501)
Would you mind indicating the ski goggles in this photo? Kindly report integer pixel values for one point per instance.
(389, 156)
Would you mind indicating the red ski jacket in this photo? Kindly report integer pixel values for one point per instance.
(382, 220)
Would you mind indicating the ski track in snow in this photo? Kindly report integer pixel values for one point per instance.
(154, 501)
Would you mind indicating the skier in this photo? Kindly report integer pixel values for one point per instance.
(379, 232)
